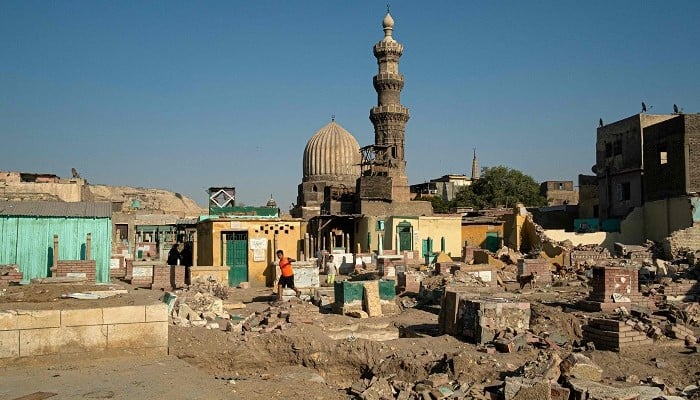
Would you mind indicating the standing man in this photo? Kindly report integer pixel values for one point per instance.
(287, 278)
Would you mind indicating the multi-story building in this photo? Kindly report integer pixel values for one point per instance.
(620, 165)
(559, 193)
(671, 158)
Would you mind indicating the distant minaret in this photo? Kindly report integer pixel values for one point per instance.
(475, 167)
(389, 117)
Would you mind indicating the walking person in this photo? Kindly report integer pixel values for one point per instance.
(331, 270)
(287, 278)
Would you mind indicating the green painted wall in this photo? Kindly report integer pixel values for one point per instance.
(28, 242)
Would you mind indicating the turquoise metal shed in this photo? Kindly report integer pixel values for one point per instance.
(27, 229)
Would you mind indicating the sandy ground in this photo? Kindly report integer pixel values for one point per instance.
(302, 361)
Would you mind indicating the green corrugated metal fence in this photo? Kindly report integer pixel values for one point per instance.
(28, 242)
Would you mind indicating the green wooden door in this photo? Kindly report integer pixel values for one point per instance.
(491, 242)
(237, 258)
(405, 236)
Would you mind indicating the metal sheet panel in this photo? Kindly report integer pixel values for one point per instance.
(28, 242)
(98, 209)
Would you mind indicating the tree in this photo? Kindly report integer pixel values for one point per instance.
(439, 205)
(500, 186)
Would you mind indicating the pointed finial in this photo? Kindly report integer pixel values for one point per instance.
(474, 152)
(332, 117)
(388, 8)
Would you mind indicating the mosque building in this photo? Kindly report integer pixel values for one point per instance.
(357, 199)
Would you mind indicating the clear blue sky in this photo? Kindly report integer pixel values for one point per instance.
(187, 95)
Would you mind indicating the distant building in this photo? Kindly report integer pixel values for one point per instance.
(446, 186)
(672, 158)
(620, 165)
(559, 193)
(588, 196)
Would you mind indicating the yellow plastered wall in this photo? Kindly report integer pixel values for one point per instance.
(289, 235)
(437, 227)
(475, 235)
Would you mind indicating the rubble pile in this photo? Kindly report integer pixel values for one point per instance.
(10, 274)
(551, 375)
(628, 331)
(433, 287)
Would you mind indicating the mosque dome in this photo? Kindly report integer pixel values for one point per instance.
(271, 203)
(332, 152)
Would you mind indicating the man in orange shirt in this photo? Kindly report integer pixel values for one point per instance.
(287, 278)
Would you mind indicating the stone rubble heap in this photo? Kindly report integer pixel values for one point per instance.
(548, 376)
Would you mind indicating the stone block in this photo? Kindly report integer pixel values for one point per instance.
(9, 344)
(371, 300)
(518, 388)
(89, 316)
(8, 320)
(78, 339)
(576, 365)
(124, 315)
(147, 334)
(35, 319)
(157, 312)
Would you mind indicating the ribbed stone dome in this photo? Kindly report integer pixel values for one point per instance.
(332, 152)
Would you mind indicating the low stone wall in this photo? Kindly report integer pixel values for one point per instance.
(33, 333)
(75, 268)
(485, 272)
(481, 319)
(613, 335)
(468, 312)
(167, 277)
(539, 266)
(155, 275)
(208, 273)
(117, 266)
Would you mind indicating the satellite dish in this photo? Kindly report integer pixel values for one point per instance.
(675, 109)
(600, 122)
(644, 107)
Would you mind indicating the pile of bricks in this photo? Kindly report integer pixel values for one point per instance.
(609, 334)
(682, 291)
(75, 268)
(681, 332)
(167, 277)
(447, 268)
(580, 256)
(539, 266)
(10, 274)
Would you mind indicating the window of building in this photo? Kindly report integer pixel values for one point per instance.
(617, 147)
(380, 225)
(561, 186)
(608, 150)
(663, 153)
(624, 191)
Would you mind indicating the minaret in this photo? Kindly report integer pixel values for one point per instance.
(475, 167)
(389, 117)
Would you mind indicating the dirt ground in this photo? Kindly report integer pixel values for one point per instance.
(303, 361)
